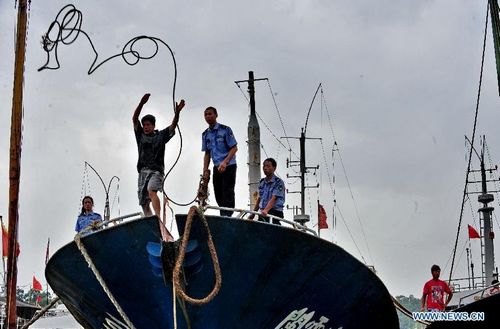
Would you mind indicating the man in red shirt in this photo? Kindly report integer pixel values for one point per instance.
(434, 291)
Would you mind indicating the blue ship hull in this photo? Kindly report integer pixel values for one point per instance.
(272, 277)
(489, 307)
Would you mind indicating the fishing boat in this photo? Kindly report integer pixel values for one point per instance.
(271, 277)
(224, 272)
(478, 295)
(481, 297)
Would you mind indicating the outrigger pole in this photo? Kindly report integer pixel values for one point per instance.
(15, 160)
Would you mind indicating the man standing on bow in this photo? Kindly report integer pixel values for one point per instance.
(151, 149)
(219, 144)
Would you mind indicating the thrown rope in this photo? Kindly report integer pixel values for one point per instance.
(65, 30)
(101, 281)
(182, 252)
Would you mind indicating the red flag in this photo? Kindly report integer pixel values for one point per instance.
(5, 243)
(36, 284)
(322, 224)
(473, 233)
(47, 252)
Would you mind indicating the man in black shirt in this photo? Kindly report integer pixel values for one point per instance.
(151, 149)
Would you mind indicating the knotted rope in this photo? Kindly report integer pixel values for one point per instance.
(182, 252)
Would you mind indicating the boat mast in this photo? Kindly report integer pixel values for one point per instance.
(15, 160)
(487, 234)
(303, 218)
(253, 134)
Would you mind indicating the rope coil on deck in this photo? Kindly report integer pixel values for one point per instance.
(182, 252)
(101, 281)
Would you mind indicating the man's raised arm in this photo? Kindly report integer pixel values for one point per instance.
(178, 109)
(137, 112)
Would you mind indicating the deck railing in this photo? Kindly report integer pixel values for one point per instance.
(241, 214)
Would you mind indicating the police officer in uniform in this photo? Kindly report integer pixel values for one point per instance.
(271, 193)
(220, 146)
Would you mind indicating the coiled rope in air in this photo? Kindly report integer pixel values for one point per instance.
(101, 281)
(182, 252)
(67, 27)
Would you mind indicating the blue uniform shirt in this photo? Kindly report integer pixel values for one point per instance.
(86, 219)
(218, 141)
(269, 188)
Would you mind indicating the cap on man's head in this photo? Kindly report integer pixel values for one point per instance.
(150, 118)
(435, 268)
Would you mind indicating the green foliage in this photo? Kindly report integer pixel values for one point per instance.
(32, 295)
(20, 294)
(413, 305)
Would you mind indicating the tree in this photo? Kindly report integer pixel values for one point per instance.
(34, 297)
(413, 305)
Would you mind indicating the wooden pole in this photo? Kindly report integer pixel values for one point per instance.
(15, 161)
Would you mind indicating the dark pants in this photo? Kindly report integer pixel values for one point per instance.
(224, 188)
(273, 212)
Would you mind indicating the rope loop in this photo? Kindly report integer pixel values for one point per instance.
(182, 252)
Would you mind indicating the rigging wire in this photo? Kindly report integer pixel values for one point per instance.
(263, 149)
(269, 129)
(451, 255)
(462, 253)
(116, 199)
(495, 182)
(471, 142)
(323, 102)
(355, 204)
(469, 201)
(350, 234)
(281, 120)
(330, 124)
(331, 178)
(263, 122)
(309, 197)
(244, 95)
(85, 184)
(65, 30)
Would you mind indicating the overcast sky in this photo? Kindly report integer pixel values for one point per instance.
(399, 80)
